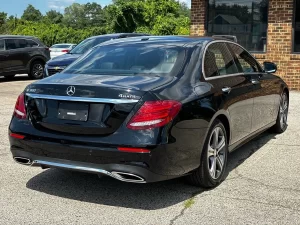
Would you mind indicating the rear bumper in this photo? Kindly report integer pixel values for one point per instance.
(122, 172)
(128, 167)
(173, 153)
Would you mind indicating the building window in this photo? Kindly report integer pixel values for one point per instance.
(297, 27)
(245, 19)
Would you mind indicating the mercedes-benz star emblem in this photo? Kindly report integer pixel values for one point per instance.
(71, 90)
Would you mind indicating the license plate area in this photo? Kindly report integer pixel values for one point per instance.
(73, 111)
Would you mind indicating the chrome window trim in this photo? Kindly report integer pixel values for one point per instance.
(82, 99)
(228, 75)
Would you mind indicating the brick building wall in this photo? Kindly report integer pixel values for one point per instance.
(279, 38)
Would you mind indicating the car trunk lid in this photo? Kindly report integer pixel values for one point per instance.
(86, 104)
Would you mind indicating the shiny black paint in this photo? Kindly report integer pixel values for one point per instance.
(176, 148)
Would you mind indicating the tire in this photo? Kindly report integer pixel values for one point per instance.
(205, 176)
(37, 70)
(281, 121)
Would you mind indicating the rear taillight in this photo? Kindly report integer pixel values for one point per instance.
(154, 114)
(65, 50)
(17, 136)
(133, 150)
(20, 111)
(47, 49)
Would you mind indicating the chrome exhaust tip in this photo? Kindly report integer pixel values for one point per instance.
(128, 177)
(23, 161)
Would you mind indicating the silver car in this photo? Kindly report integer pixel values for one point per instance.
(60, 49)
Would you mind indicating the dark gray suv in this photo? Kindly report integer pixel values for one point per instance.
(22, 54)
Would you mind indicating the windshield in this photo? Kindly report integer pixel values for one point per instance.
(87, 44)
(129, 60)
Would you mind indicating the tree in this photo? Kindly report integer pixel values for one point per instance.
(31, 14)
(3, 17)
(84, 15)
(184, 10)
(125, 16)
(94, 14)
(54, 17)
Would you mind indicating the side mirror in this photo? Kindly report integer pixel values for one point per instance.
(270, 67)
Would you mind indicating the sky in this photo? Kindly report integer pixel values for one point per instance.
(17, 7)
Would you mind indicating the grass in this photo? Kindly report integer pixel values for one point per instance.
(189, 203)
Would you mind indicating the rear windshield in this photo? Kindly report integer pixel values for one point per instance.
(87, 44)
(129, 60)
(61, 46)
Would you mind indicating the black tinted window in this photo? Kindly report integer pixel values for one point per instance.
(21, 43)
(246, 62)
(129, 60)
(1, 45)
(31, 43)
(245, 19)
(11, 44)
(218, 61)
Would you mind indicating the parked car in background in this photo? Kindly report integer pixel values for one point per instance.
(59, 63)
(60, 49)
(150, 109)
(22, 54)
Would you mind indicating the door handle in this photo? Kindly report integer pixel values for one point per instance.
(226, 89)
(255, 81)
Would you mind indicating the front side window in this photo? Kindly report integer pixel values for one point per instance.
(2, 45)
(129, 60)
(297, 27)
(245, 19)
(218, 61)
(246, 62)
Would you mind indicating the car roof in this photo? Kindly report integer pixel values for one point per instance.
(117, 35)
(192, 40)
(16, 36)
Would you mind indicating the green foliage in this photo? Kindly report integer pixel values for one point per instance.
(86, 15)
(79, 21)
(54, 33)
(53, 16)
(170, 25)
(32, 14)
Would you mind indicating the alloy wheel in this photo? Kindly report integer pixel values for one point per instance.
(216, 152)
(37, 70)
(283, 110)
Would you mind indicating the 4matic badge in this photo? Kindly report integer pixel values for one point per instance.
(128, 96)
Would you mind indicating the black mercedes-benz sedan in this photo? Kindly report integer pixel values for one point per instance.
(147, 109)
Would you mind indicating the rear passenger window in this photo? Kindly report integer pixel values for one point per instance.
(31, 43)
(22, 43)
(218, 61)
(246, 62)
(2, 45)
(10, 44)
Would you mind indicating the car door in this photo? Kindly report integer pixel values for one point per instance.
(232, 89)
(3, 56)
(264, 111)
(18, 55)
